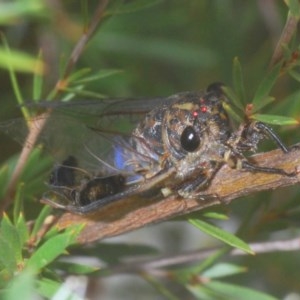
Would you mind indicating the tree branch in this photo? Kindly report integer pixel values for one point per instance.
(228, 184)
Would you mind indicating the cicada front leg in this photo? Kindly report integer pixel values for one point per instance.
(251, 135)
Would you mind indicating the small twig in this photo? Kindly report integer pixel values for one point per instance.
(79, 47)
(286, 36)
(227, 185)
(35, 128)
(191, 257)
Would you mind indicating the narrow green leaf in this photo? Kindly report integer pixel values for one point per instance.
(161, 288)
(4, 176)
(7, 58)
(185, 274)
(73, 268)
(20, 61)
(18, 207)
(233, 97)
(264, 102)
(275, 120)
(22, 229)
(82, 93)
(77, 75)
(232, 113)
(212, 259)
(238, 80)
(10, 234)
(201, 292)
(235, 292)
(22, 287)
(37, 81)
(52, 248)
(222, 235)
(12, 11)
(51, 289)
(99, 75)
(223, 270)
(7, 256)
(45, 212)
(47, 287)
(215, 215)
(265, 86)
(5, 276)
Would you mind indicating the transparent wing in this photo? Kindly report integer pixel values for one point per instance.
(97, 162)
(87, 130)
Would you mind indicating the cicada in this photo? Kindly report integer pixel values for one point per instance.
(109, 150)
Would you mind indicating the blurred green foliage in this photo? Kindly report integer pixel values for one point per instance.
(148, 48)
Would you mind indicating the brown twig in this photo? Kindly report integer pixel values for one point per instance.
(31, 139)
(286, 36)
(79, 47)
(190, 257)
(228, 184)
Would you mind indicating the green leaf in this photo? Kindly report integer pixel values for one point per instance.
(10, 234)
(238, 80)
(47, 287)
(161, 288)
(21, 287)
(52, 248)
(73, 268)
(231, 112)
(264, 102)
(265, 86)
(7, 257)
(222, 235)
(215, 215)
(18, 204)
(4, 176)
(20, 61)
(275, 120)
(45, 212)
(51, 289)
(77, 75)
(233, 97)
(22, 229)
(235, 292)
(12, 11)
(7, 59)
(223, 270)
(77, 91)
(37, 81)
(99, 75)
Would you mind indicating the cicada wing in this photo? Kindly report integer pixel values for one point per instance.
(90, 131)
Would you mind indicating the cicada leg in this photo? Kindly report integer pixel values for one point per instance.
(252, 134)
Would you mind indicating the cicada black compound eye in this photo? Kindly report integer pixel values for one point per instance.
(189, 139)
